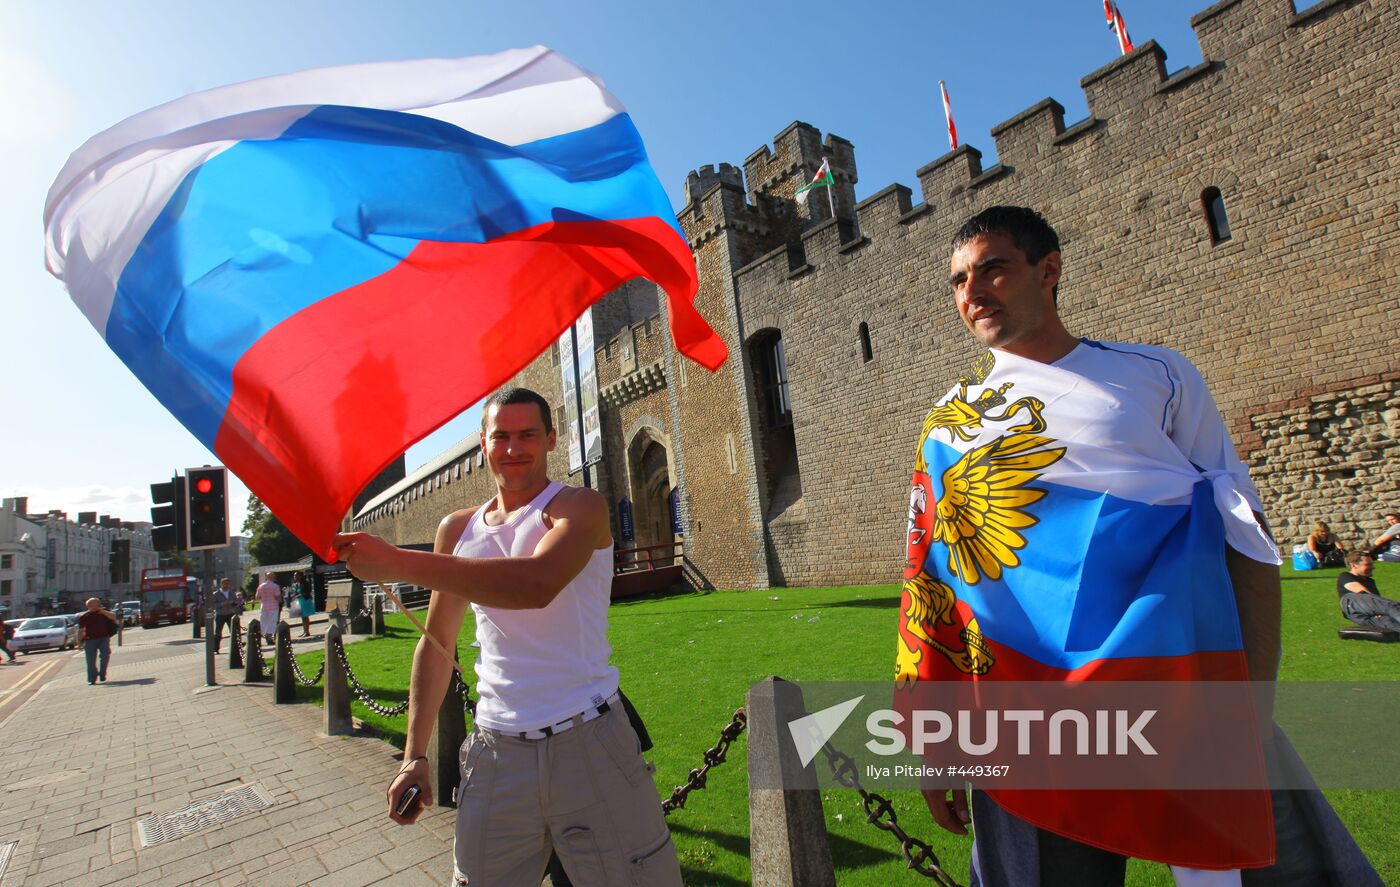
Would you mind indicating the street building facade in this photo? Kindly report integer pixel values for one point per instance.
(56, 562)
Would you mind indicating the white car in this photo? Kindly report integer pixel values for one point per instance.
(45, 632)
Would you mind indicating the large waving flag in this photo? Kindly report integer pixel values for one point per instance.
(1067, 523)
(314, 271)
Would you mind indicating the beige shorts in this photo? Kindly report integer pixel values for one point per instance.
(585, 793)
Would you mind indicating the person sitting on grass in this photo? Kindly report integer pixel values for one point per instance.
(1325, 546)
(1361, 601)
(1387, 547)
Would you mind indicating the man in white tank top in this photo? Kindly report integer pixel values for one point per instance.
(552, 762)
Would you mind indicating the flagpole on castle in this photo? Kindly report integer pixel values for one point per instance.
(830, 197)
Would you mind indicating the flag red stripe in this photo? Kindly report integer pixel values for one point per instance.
(467, 316)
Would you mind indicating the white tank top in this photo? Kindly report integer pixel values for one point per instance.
(540, 667)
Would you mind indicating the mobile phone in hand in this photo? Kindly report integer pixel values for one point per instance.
(407, 801)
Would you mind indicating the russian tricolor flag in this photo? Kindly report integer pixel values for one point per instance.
(1068, 523)
(314, 271)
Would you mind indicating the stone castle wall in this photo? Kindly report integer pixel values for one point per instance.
(1291, 320)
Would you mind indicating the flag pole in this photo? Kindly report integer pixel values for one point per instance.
(437, 645)
(831, 198)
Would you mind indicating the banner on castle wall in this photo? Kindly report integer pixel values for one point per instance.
(579, 372)
(674, 500)
(624, 520)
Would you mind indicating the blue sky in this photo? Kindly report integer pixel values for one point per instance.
(706, 84)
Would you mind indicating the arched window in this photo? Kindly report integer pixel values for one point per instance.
(1216, 220)
(866, 354)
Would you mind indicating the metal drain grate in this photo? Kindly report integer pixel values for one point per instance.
(6, 852)
(203, 814)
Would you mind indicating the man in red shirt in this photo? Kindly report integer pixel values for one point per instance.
(95, 630)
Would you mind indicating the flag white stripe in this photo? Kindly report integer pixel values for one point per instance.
(131, 170)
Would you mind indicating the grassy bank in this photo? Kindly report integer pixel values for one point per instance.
(686, 662)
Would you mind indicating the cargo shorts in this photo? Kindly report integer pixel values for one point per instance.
(586, 793)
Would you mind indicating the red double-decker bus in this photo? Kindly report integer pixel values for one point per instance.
(165, 596)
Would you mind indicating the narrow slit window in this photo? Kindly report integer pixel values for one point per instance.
(866, 354)
(1216, 220)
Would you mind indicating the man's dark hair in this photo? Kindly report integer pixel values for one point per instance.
(509, 396)
(1356, 557)
(1391, 514)
(1027, 229)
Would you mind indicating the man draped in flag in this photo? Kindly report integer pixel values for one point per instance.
(1117, 26)
(1078, 514)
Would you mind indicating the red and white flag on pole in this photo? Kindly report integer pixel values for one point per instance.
(1116, 25)
(948, 115)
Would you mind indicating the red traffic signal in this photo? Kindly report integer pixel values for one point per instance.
(207, 507)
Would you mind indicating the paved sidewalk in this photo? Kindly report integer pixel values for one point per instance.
(84, 763)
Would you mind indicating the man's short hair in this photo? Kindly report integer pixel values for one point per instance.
(1027, 229)
(1356, 557)
(510, 396)
(1392, 514)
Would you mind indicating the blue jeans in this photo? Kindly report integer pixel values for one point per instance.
(92, 649)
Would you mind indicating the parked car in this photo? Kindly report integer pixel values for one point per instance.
(45, 632)
(131, 612)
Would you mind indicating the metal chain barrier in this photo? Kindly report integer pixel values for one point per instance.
(257, 648)
(361, 693)
(460, 687)
(712, 758)
(880, 813)
(236, 629)
(297, 674)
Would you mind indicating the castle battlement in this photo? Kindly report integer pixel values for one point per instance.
(1030, 134)
(1131, 84)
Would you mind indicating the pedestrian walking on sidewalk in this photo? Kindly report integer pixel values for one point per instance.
(225, 604)
(269, 595)
(95, 630)
(306, 603)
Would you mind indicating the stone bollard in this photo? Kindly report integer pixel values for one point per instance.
(209, 653)
(339, 619)
(235, 632)
(359, 619)
(284, 687)
(336, 692)
(376, 617)
(445, 746)
(253, 671)
(787, 831)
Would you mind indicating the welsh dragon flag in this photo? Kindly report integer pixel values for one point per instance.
(822, 179)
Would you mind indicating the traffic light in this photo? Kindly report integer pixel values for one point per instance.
(206, 507)
(168, 515)
(119, 561)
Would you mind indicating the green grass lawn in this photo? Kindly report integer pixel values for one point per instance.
(687, 660)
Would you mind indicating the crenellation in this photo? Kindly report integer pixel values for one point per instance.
(1229, 28)
(949, 174)
(1030, 135)
(1126, 82)
(700, 181)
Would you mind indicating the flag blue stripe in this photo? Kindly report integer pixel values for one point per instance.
(269, 227)
(1083, 591)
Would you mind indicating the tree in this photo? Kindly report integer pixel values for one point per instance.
(269, 541)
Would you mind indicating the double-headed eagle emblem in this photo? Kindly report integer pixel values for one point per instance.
(979, 514)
